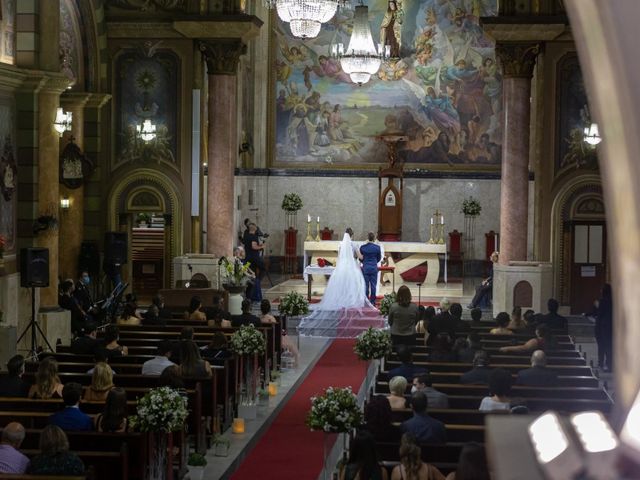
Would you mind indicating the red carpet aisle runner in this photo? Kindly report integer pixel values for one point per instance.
(288, 449)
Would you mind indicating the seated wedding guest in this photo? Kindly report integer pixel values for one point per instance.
(441, 349)
(186, 333)
(377, 419)
(171, 377)
(472, 464)
(397, 389)
(467, 352)
(479, 374)
(426, 317)
(12, 384)
(403, 318)
(265, 310)
(217, 349)
(101, 383)
(407, 369)
(476, 316)
(47, 381)
(192, 364)
(484, 291)
(55, 457)
(86, 343)
(247, 318)
(157, 313)
(195, 312)
(499, 390)
(502, 320)
(552, 319)
(267, 318)
(218, 321)
(363, 460)
(157, 364)
(11, 460)
(517, 322)
(129, 316)
(435, 398)
(538, 375)
(425, 428)
(113, 418)
(71, 418)
(216, 310)
(441, 323)
(100, 357)
(544, 340)
(455, 310)
(110, 343)
(411, 465)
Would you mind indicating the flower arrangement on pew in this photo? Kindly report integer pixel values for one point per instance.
(336, 411)
(236, 273)
(372, 344)
(293, 303)
(386, 302)
(248, 341)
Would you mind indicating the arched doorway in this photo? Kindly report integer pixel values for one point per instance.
(148, 208)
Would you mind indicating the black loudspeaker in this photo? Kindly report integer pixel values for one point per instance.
(34, 267)
(115, 248)
(89, 258)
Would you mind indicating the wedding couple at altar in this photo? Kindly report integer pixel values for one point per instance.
(347, 306)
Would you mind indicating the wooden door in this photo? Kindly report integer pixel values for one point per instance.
(589, 264)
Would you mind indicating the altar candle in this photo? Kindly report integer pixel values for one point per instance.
(308, 218)
(318, 220)
(273, 389)
(238, 425)
(442, 219)
(431, 220)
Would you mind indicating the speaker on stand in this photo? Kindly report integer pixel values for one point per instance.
(34, 272)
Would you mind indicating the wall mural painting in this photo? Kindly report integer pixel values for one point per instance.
(572, 118)
(8, 177)
(443, 91)
(147, 89)
(7, 31)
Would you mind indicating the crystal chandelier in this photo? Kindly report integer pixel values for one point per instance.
(305, 17)
(592, 135)
(361, 60)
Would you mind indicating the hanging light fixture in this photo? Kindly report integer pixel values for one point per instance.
(361, 60)
(592, 135)
(305, 17)
(146, 131)
(63, 121)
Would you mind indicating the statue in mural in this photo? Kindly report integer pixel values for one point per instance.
(391, 27)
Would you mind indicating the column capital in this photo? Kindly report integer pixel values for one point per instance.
(222, 55)
(98, 100)
(74, 99)
(517, 59)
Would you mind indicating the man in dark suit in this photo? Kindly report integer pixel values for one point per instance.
(425, 428)
(87, 343)
(479, 374)
(371, 255)
(247, 318)
(552, 319)
(407, 370)
(71, 418)
(441, 323)
(12, 384)
(538, 375)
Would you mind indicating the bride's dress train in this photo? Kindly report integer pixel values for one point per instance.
(344, 310)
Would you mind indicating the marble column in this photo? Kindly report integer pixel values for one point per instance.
(518, 60)
(222, 57)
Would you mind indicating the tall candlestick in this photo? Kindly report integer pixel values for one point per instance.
(442, 219)
(308, 218)
(318, 220)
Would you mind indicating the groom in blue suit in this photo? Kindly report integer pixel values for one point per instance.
(371, 255)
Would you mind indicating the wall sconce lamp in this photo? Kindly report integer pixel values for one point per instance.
(63, 121)
(592, 135)
(65, 203)
(146, 131)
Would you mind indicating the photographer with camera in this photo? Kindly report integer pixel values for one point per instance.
(253, 247)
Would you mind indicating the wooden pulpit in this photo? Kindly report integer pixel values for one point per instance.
(390, 186)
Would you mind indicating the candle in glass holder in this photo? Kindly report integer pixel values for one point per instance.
(273, 389)
(238, 425)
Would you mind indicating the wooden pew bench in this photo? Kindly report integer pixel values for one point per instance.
(562, 370)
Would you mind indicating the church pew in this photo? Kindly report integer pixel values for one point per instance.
(106, 465)
(506, 358)
(431, 453)
(495, 350)
(564, 370)
(89, 476)
(568, 381)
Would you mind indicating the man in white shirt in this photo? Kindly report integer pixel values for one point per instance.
(156, 365)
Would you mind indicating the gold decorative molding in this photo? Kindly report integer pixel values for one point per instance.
(222, 56)
(517, 59)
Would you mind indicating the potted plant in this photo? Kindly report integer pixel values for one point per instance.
(386, 303)
(263, 397)
(373, 344)
(291, 203)
(143, 220)
(293, 304)
(471, 207)
(221, 446)
(196, 463)
(236, 277)
(248, 342)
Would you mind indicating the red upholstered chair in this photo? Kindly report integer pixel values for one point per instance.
(456, 257)
(326, 234)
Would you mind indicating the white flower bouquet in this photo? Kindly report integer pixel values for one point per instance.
(160, 410)
(471, 207)
(236, 273)
(335, 411)
(248, 341)
(386, 302)
(293, 303)
(291, 202)
(372, 344)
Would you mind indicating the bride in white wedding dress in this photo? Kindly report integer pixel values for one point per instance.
(344, 310)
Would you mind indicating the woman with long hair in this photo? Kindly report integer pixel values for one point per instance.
(517, 322)
(55, 457)
(192, 364)
(129, 316)
(377, 419)
(403, 318)
(47, 383)
(411, 465)
(113, 418)
(472, 464)
(195, 310)
(363, 461)
(111, 345)
(101, 383)
(544, 340)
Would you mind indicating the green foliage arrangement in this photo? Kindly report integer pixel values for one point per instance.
(160, 410)
(197, 460)
(248, 341)
(236, 273)
(293, 303)
(291, 203)
(335, 411)
(372, 344)
(386, 302)
(471, 207)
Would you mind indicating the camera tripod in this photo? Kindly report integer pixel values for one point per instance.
(34, 327)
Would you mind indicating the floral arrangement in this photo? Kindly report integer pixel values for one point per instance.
(335, 411)
(372, 344)
(237, 274)
(471, 207)
(293, 303)
(291, 202)
(196, 460)
(248, 341)
(143, 218)
(3, 242)
(160, 410)
(385, 303)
